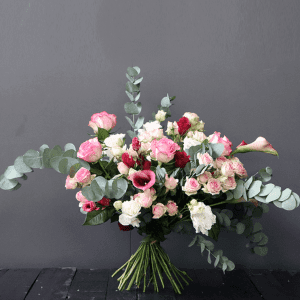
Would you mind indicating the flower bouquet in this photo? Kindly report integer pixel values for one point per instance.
(184, 181)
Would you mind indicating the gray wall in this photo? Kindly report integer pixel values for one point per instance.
(235, 63)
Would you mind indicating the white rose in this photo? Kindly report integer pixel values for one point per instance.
(115, 140)
(118, 204)
(126, 220)
(131, 208)
(188, 142)
(172, 128)
(149, 126)
(118, 151)
(160, 116)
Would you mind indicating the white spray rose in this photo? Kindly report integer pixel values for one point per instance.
(188, 142)
(115, 140)
(118, 204)
(160, 116)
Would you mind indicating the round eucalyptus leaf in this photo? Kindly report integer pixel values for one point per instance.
(289, 204)
(32, 159)
(84, 164)
(238, 191)
(70, 153)
(70, 146)
(230, 265)
(229, 195)
(260, 199)
(265, 176)
(228, 212)
(240, 227)
(88, 193)
(277, 203)
(43, 147)
(217, 149)
(269, 170)
(46, 158)
(297, 198)
(20, 166)
(56, 151)
(266, 190)
(54, 162)
(254, 188)
(119, 187)
(97, 190)
(262, 251)
(274, 195)
(248, 182)
(12, 173)
(132, 71)
(8, 184)
(285, 194)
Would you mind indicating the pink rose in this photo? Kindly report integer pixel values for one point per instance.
(143, 180)
(103, 120)
(213, 186)
(227, 168)
(259, 145)
(83, 175)
(123, 169)
(228, 184)
(191, 186)
(170, 183)
(172, 208)
(145, 199)
(239, 169)
(158, 210)
(80, 197)
(219, 162)
(89, 206)
(71, 183)
(215, 138)
(163, 150)
(90, 150)
(203, 178)
(204, 159)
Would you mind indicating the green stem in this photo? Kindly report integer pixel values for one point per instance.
(104, 169)
(153, 270)
(226, 201)
(153, 249)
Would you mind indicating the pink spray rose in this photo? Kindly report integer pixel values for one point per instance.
(143, 180)
(80, 197)
(83, 175)
(102, 120)
(204, 159)
(227, 168)
(172, 208)
(158, 210)
(90, 150)
(213, 186)
(239, 169)
(89, 206)
(163, 150)
(145, 199)
(123, 169)
(191, 186)
(259, 145)
(215, 138)
(170, 183)
(71, 183)
(203, 178)
(219, 162)
(228, 184)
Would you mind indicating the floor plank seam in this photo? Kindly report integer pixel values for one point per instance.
(67, 296)
(32, 284)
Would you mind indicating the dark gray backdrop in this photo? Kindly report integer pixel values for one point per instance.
(234, 63)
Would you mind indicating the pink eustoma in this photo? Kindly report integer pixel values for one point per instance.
(143, 180)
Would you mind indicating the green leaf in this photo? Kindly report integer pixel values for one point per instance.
(290, 203)
(193, 241)
(224, 267)
(32, 159)
(226, 220)
(12, 173)
(139, 122)
(119, 187)
(230, 265)
(88, 193)
(69, 146)
(132, 71)
(208, 244)
(248, 182)
(8, 184)
(266, 189)
(202, 248)
(56, 151)
(70, 153)
(137, 96)
(240, 227)
(137, 69)
(228, 212)
(130, 78)
(257, 227)
(254, 189)
(264, 240)
(131, 134)
(262, 251)
(165, 102)
(264, 207)
(274, 195)
(208, 257)
(269, 170)
(131, 88)
(265, 176)
(129, 96)
(46, 158)
(285, 194)
(215, 230)
(20, 166)
(139, 80)
(229, 195)
(131, 108)
(238, 191)
(257, 212)
(97, 217)
(217, 150)
(130, 122)
(217, 260)
(102, 134)
(54, 162)
(65, 164)
(114, 218)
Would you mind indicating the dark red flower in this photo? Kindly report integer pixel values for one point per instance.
(136, 145)
(104, 201)
(125, 228)
(184, 125)
(143, 180)
(146, 165)
(181, 159)
(127, 160)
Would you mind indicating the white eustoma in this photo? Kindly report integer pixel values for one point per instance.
(201, 216)
(188, 142)
(130, 211)
(115, 140)
(149, 126)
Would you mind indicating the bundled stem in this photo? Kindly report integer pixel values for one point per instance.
(150, 254)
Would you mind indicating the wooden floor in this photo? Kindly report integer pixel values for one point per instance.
(97, 284)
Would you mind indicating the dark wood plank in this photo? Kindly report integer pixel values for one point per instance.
(269, 286)
(89, 284)
(15, 283)
(51, 284)
(112, 289)
(290, 280)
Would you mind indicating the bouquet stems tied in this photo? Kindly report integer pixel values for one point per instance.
(150, 255)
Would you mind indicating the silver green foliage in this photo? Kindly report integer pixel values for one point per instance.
(254, 188)
(56, 158)
(220, 261)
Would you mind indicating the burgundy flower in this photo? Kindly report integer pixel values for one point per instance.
(181, 159)
(184, 125)
(144, 179)
(127, 160)
(136, 145)
(146, 165)
(125, 228)
(104, 201)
